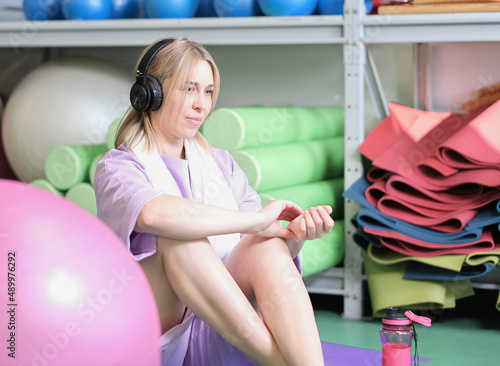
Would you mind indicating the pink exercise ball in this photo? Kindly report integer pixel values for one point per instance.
(73, 295)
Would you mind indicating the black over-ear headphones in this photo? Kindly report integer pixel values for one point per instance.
(146, 94)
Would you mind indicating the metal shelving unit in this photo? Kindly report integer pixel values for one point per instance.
(354, 31)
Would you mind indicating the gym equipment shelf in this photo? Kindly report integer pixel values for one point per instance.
(140, 32)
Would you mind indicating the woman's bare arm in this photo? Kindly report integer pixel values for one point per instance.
(183, 219)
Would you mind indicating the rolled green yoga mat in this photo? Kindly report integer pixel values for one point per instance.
(323, 253)
(83, 195)
(282, 166)
(112, 130)
(251, 127)
(389, 289)
(93, 167)
(325, 192)
(45, 184)
(67, 165)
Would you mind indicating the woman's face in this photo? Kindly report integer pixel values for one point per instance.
(188, 106)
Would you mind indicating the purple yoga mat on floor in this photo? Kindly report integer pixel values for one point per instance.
(339, 355)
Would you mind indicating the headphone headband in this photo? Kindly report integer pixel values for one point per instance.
(146, 94)
(150, 54)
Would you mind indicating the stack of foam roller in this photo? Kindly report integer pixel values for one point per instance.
(293, 153)
(70, 169)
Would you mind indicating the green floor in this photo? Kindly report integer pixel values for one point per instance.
(467, 335)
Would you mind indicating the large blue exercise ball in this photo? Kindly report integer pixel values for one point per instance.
(87, 9)
(236, 8)
(38, 10)
(336, 7)
(288, 7)
(171, 8)
(125, 9)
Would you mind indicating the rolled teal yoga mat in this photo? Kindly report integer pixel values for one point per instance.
(289, 165)
(67, 165)
(83, 195)
(325, 192)
(45, 184)
(323, 253)
(251, 127)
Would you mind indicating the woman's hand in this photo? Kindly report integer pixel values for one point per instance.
(312, 223)
(274, 211)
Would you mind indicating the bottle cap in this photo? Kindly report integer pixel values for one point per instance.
(392, 317)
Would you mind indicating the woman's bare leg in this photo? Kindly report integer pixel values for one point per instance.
(170, 307)
(194, 276)
(264, 270)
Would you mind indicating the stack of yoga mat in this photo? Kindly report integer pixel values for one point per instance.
(430, 215)
(69, 170)
(293, 153)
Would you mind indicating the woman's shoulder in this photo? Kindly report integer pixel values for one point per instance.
(119, 154)
(120, 160)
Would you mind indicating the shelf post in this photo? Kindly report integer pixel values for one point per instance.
(354, 65)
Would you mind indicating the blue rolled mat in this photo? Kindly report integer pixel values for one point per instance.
(369, 216)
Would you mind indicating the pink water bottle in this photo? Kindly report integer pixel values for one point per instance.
(397, 334)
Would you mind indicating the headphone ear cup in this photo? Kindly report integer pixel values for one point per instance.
(156, 92)
(140, 97)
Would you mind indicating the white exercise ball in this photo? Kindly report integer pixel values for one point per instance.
(67, 101)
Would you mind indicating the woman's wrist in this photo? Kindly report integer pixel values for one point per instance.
(253, 222)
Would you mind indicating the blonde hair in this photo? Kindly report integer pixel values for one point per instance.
(174, 62)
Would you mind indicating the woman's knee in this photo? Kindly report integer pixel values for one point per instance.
(256, 257)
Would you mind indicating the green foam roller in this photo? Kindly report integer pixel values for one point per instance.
(45, 184)
(251, 127)
(325, 192)
(83, 195)
(111, 134)
(289, 165)
(323, 253)
(93, 167)
(67, 165)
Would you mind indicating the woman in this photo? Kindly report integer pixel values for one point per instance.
(224, 273)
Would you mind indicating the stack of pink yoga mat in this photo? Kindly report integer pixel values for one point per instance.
(430, 214)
